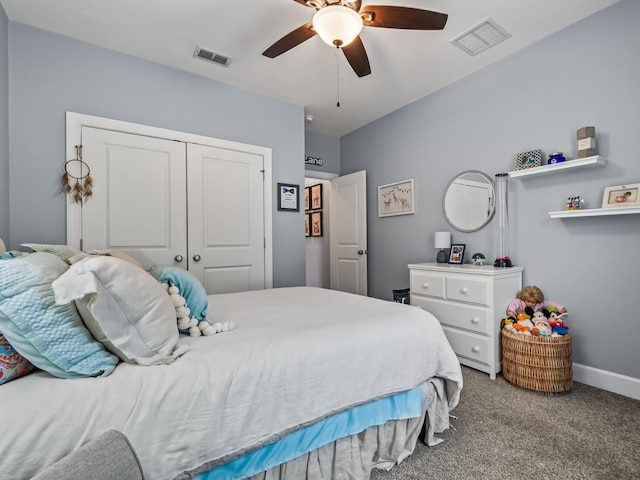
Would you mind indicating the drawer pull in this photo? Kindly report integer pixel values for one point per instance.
(425, 285)
(475, 320)
(475, 349)
(464, 290)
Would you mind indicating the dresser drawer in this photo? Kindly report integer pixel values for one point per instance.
(467, 289)
(425, 283)
(469, 317)
(469, 345)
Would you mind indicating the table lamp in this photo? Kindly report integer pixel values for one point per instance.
(442, 241)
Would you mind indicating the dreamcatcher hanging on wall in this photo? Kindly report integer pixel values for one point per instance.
(76, 179)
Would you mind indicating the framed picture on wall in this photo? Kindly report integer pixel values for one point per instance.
(621, 196)
(395, 198)
(456, 254)
(288, 195)
(307, 198)
(316, 224)
(307, 225)
(316, 197)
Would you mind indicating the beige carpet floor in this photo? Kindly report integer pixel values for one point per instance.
(502, 432)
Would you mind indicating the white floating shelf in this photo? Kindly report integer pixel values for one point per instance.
(594, 161)
(594, 212)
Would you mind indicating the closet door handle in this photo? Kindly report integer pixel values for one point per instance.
(197, 258)
(178, 258)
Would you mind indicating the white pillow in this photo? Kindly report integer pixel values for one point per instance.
(124, 308)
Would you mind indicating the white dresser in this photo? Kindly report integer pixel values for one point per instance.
(469, 301)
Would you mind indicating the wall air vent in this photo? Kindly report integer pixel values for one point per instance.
(480, 37)
(211, 56)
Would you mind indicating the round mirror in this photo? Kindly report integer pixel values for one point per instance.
(469, 201)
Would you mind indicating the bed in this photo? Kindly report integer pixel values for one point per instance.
(311, 383)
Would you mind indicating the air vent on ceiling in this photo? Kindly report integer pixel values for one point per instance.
(211, 56)
(480, 37)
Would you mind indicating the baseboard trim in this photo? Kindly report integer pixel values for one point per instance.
(612, 382)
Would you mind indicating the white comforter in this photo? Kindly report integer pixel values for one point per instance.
(297, 355)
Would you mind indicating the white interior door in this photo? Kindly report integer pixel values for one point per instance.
(139, 196)
(226, 221)
(348, 226)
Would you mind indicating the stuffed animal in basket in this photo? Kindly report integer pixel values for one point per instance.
(523, 323)
(532, 297)
(541, 326)
(556, 322)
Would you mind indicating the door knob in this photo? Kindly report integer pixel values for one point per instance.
(360, 252)
(178, 258)
(197, 258)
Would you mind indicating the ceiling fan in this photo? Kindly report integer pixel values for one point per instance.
(339, 22)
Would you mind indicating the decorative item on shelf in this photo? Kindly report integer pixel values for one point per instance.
(556, 158)
(478, 259)
(456, 255)
(78, 170)
(621, 196)
(529, 159)
(587, 142)
(442, 241)
(502, 214)
(575, 203)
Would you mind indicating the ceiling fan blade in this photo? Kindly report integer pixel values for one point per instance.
(357, 57)
(402, 17)
(290, 40)
(302, 2)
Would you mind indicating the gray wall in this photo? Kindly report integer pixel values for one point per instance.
(586, 74)
(51, 74)
(4, 127)
(327, 148)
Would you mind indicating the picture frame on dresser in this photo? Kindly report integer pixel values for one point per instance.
(456, 253)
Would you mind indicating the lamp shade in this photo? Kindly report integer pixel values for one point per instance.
(337, 25)
(442, 239)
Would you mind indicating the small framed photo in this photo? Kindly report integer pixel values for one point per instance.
(307, 198)
(316, 224)
(307, 225)
(288, 197)
(456, 254)
(316, 197)
(621, 196)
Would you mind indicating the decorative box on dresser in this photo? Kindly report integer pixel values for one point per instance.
(469, 301)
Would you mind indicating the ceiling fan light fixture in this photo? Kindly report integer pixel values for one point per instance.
(337, 25)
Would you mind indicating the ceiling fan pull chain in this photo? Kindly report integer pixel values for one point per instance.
(337, 77)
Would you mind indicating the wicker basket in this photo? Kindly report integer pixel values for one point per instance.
(542, 364)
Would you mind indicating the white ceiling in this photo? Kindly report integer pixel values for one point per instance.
(406, 65)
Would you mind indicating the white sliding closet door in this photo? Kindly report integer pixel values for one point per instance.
(226, 220)
(139, 202)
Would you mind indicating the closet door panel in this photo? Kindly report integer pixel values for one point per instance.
(139, 196)
(226, 221)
